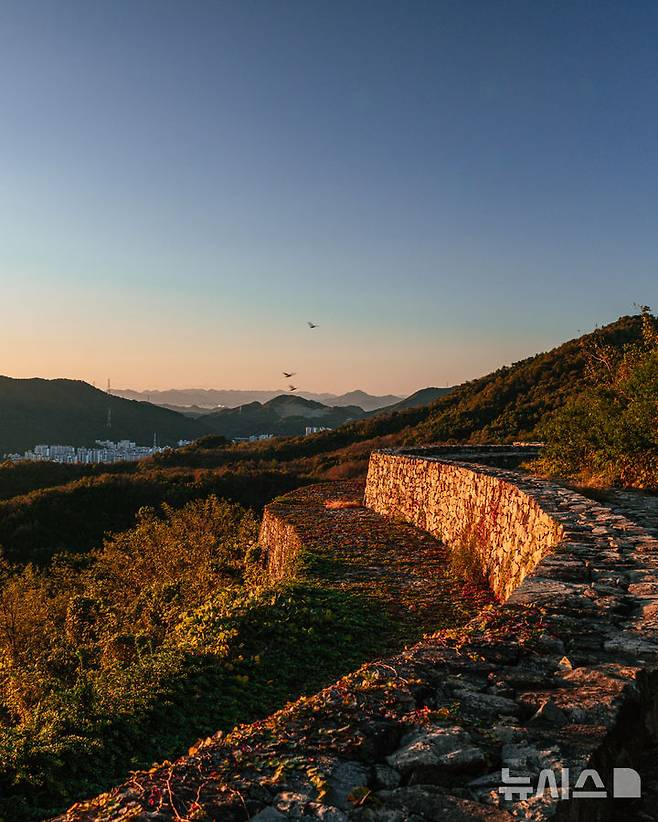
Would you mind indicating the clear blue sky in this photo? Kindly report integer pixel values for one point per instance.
(443, 187)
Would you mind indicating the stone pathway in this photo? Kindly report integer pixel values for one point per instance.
(639, 506)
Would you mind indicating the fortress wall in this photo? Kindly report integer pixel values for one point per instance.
(281, 539)
(472, 509)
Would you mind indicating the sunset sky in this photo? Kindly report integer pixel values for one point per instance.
(443, 187)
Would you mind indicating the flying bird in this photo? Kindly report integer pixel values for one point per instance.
(288, 375)
(311, 325)
(292, 387)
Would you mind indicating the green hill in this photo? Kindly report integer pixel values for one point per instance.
(72, 412)
(425, 396)
(285, 415)
(514, 401)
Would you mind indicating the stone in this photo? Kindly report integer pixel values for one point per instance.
(518, 756)
(487, 703)
(426, 802)
(316, 810)
(387, 777)
(631, 645)
(291, 803)
(548, 714)
(429, 752)
(268, 815)
(344, 778)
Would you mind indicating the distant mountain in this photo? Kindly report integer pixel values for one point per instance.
(285, 415)
(72, 412)
(359, 398)
(183, 399)
(426, 396)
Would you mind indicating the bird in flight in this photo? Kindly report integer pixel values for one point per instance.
(288, 374)
(292, 387)
(311, 325)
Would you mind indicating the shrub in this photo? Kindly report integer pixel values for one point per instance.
(608, 433)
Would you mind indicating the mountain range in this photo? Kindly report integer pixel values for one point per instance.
(71, 412)
(212, 398)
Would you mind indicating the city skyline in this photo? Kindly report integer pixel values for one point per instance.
(443, 188)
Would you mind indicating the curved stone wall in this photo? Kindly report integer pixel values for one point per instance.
(473, 510)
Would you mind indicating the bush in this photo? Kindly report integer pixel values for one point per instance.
(608, 434)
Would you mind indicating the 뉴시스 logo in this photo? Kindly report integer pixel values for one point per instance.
(626, 784)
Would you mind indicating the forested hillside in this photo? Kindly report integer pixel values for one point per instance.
(72, 412)
(284, 415)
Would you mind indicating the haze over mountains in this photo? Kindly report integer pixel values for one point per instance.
(212, 398)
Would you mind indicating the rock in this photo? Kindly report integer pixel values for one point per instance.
(487, 703)
(428, 753)
(524, 678)
(518, 756)
(550, 644)
(382, 815)
(631, 645)
(268, 815)
(291, 803)
(315, 810)
(548, 714)
(344, 778)
(386, 777)
(430, 803)
(506, 732)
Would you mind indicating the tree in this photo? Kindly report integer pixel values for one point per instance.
(609, 432)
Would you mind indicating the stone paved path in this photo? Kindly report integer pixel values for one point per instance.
(642, 508)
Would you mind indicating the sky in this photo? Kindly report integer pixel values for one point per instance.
(443, 187)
